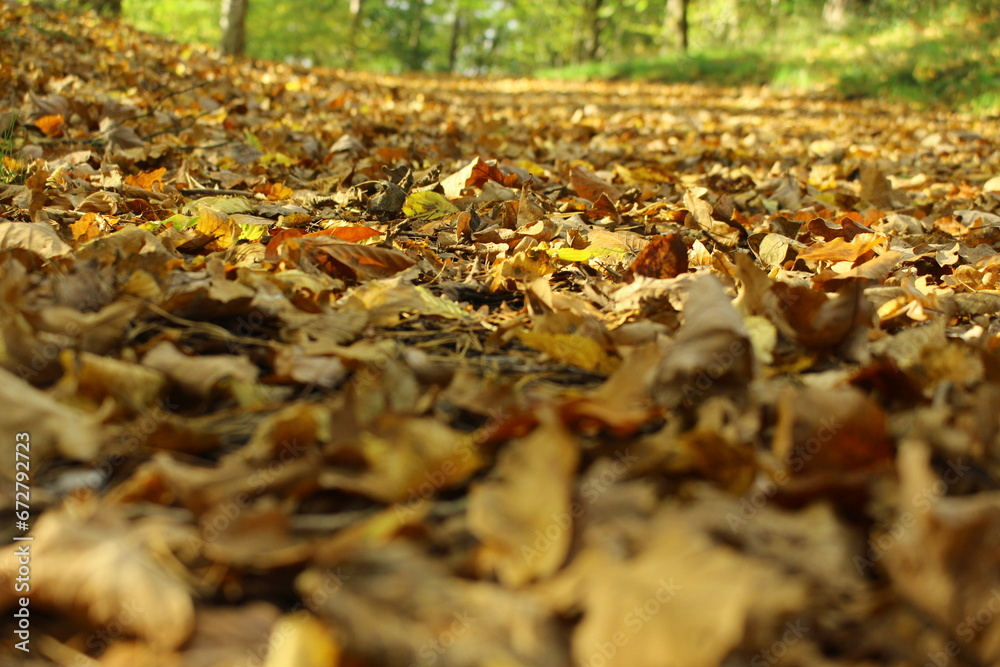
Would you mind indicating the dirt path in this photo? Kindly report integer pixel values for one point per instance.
(326, 368)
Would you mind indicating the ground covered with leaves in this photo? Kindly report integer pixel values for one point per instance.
(326, 368)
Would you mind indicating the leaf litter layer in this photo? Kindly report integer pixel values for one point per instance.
(338, 368)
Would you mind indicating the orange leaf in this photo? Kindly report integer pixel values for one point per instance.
(370, 261)
(147, 179)
(839, 250)
(272, 253)
(51, 126)
(349, 234)
(86, 228)
(275, 191)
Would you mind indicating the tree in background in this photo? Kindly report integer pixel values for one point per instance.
(835, 13)
(675, 26)
(108, 7)
(720, 41)
(357, 15)
(233, 21)
(456, 35)
(593, 24)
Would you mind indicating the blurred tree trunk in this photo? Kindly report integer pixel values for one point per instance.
(675, 26)
(233, 20)
(415, 57)
(731, 20)
(111, 8)
(835, 13)
(456, 32)
(590, 45)
(357, 13)
(484, 59)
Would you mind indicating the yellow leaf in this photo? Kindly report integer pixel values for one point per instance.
(217, 224)
(573, 349)
(532, 168)
(252, 231)
(523, 267)
(571, 254)
(574, 255)
(278, 158)
(428, 206)
(300, 639)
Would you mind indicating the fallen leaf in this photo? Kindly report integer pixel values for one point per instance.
(86, 558)
(523, 515)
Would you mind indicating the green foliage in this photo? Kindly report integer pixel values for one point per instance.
(11, 169)
(182, 20)
(946, 56)
(928, 52)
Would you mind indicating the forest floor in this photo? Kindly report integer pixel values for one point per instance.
(313, 368)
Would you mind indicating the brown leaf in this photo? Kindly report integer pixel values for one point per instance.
(724, 232)
(88, 559)
(523, 514)
(682, 600)
(830, 431)
(200, 374)
(394, 605)
(528, 209)
(54, 429)
(875, 187)
(407, 460)
(475, 174)
(711, 353)
(814, 319)
(935, 551)
(350, 261)
(664, 257)
(37, 237)
(589, 186)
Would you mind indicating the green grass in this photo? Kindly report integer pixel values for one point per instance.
(948, 59)
(11, 169)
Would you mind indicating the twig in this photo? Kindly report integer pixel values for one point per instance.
(194, 192)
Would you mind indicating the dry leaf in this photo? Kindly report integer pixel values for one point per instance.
(524, 514)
